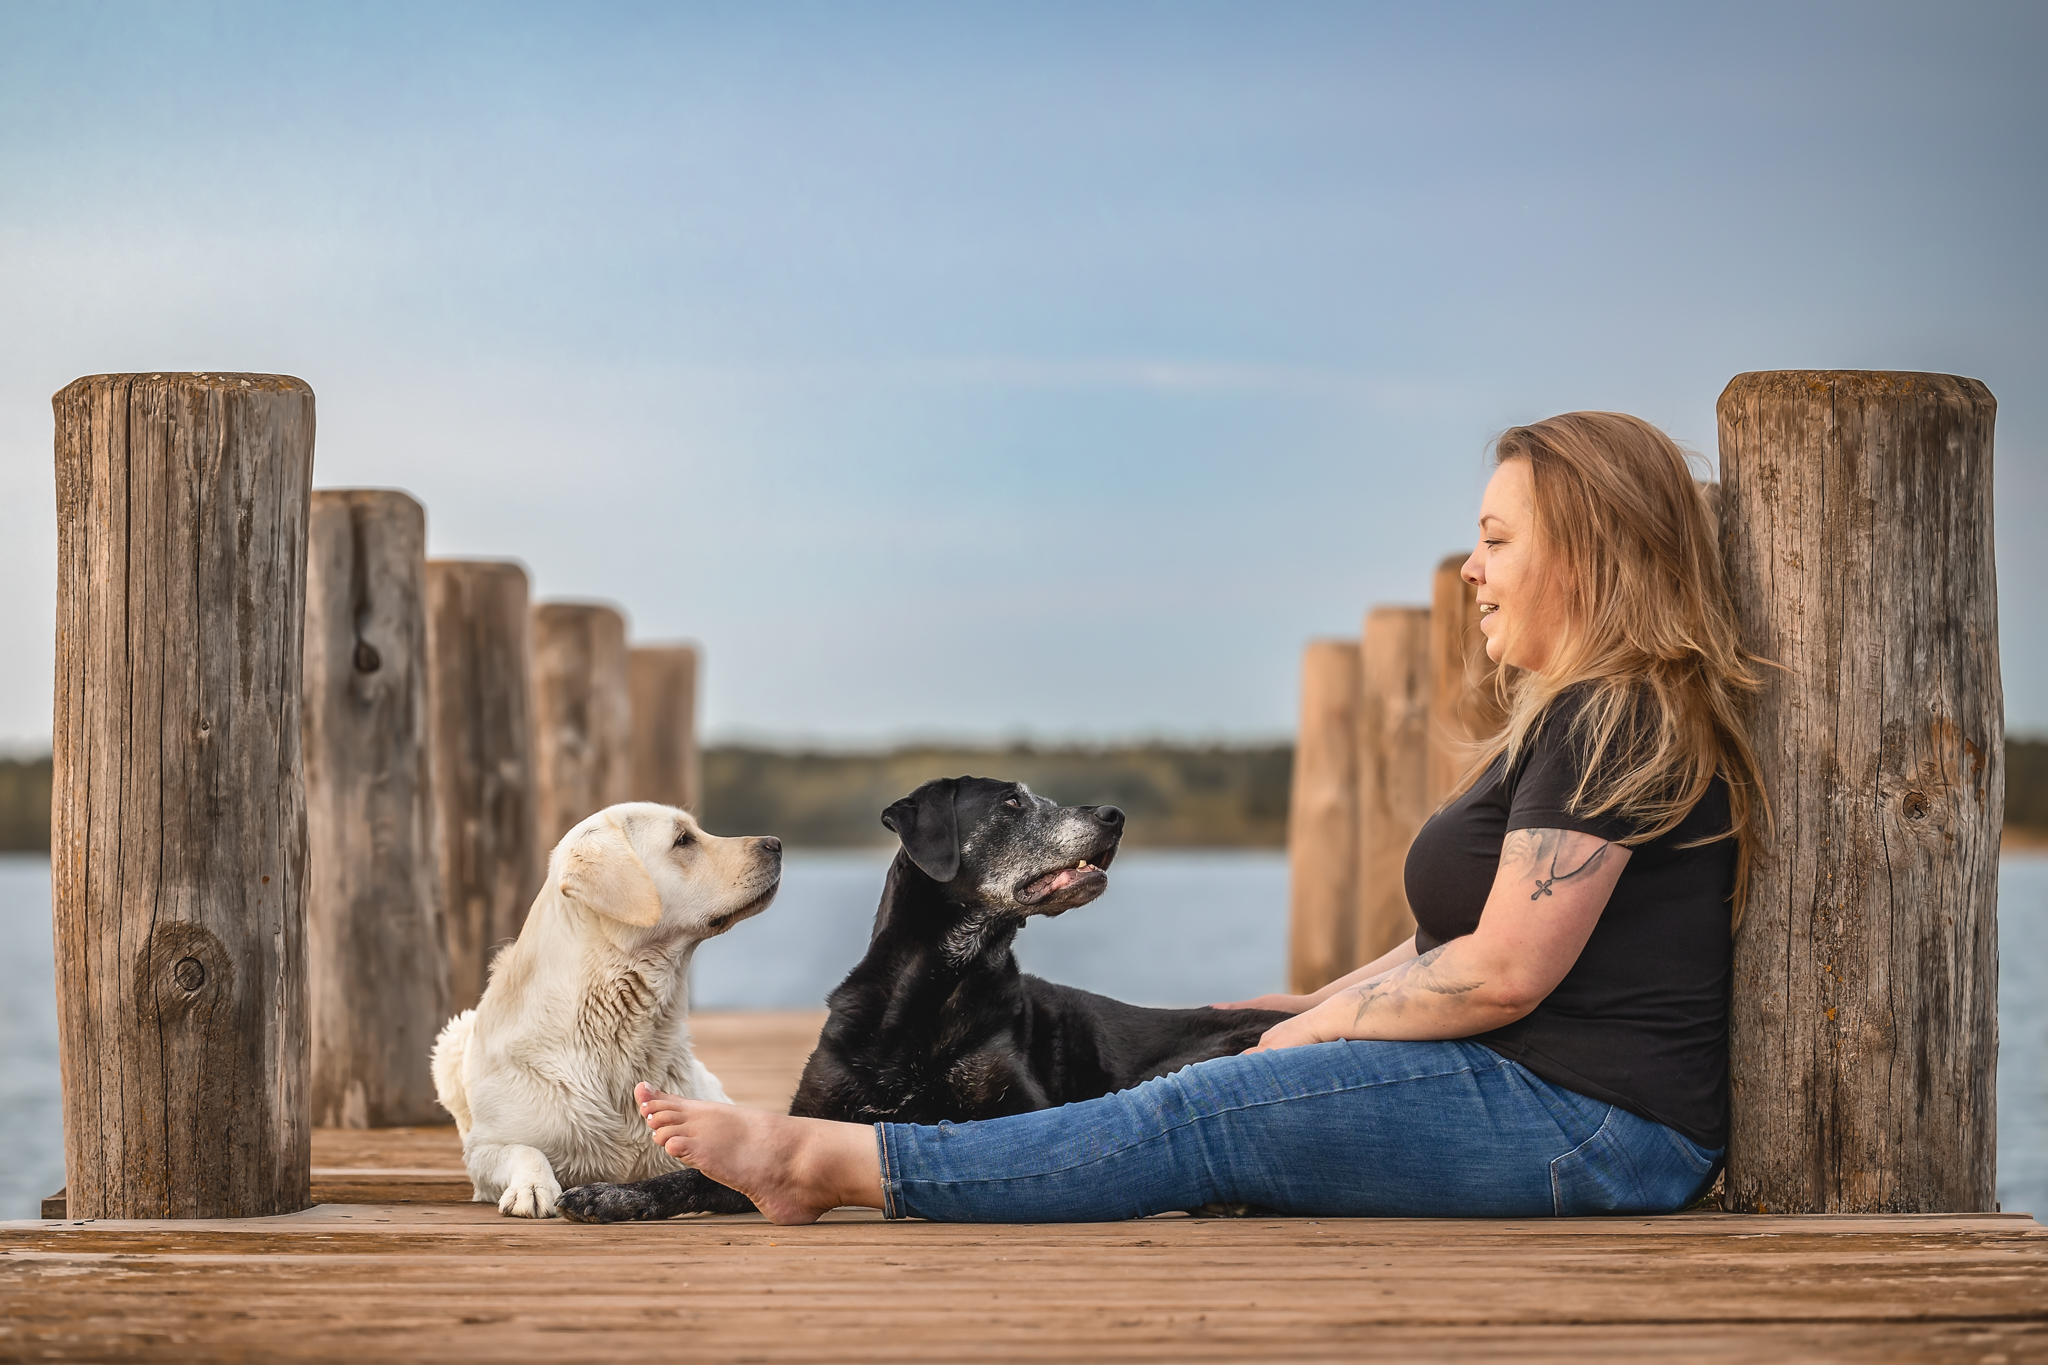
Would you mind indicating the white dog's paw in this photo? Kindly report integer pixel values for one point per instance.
(530, 1199)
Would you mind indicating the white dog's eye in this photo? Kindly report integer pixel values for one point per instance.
(682, 838)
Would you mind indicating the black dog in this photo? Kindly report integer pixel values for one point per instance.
(936, 1022)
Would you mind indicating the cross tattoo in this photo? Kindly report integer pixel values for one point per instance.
(1542, 888)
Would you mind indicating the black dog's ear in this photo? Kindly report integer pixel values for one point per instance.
(925, 823)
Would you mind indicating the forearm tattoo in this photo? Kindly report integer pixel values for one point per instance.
(1422, 973)
(1536, 853)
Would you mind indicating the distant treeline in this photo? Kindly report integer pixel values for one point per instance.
(24, 805)
(1177, 796)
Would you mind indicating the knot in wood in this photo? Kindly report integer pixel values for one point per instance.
(189, 973)
(1915, 806)
(368, 660)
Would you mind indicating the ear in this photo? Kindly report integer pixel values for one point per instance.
(601, 872)
(924, 822)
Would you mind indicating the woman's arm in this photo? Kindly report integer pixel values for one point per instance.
(1295, 1004)
(1546, 898)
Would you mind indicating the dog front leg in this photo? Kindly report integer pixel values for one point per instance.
(518, 1176)
(663, 1196)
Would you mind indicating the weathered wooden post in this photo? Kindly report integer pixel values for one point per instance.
(583, 715)
(1856, 522)
(1393, 772)
(478, 642)
(1322, 818)
(377, 959)
(178, 844)
(664, 694)
(1463, 708)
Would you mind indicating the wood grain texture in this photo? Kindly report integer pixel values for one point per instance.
(178, 852)
(1464, 709)
(479, 644)
(459, 1282)
(1393, 772)
(663, 683)
(1856, 523)
(582, 715)
(377, 953)
(1322, 818)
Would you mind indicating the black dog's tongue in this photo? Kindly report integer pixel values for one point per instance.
(1042, 889)
(1052, 883)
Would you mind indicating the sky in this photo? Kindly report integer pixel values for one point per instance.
(991, 371)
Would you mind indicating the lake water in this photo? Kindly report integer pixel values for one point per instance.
(1175, 928)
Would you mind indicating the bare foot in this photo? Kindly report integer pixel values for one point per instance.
(793, 1169)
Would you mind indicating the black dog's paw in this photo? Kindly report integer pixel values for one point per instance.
(608, 1204)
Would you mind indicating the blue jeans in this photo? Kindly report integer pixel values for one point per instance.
(1346, 1129)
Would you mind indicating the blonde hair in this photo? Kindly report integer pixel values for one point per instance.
(1650, 636)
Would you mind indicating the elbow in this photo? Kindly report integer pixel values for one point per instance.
(1511, 998)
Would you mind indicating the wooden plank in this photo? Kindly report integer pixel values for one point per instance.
(582, 715)
(463, 1282)
(1393, 772)
(1464, 707)
(757, 1055)
(1856, 521)
(376, 949)
(178, 846)
(480, 691)
(666, 766)
(1322, 819)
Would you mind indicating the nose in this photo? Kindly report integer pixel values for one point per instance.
(1111, 816)
(1473, 570)
(771, 844)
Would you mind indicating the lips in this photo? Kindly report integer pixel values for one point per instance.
(1089, 874)
(723, 922)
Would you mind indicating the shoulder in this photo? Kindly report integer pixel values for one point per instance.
(1588, 723)
(1575, 750)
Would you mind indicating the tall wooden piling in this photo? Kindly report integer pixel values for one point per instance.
(1393, 772)
(663, 682)
(377, 958)
(178, 841)
(1463, 706)
(1856, 522)
(479, 642)
(1322, 818)
(583, 718)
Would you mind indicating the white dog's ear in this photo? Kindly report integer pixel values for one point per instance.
(601, 872)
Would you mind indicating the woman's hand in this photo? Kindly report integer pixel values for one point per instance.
(1286, 1004)
(1315, 1025)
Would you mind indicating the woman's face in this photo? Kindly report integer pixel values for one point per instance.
(1521, 605)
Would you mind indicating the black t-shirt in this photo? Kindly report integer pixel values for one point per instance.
(1641, 1019)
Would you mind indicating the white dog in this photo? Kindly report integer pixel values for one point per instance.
(592, 997)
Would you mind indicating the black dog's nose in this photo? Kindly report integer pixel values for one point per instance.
(771, 844)
(1111, 816)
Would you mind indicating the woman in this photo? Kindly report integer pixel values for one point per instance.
(1554, 1038)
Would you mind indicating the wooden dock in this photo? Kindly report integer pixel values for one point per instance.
(394, 1263)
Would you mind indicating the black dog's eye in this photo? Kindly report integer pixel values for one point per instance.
(1014, 802)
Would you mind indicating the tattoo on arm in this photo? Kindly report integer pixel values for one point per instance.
(1420, 973)
(1535, 852)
